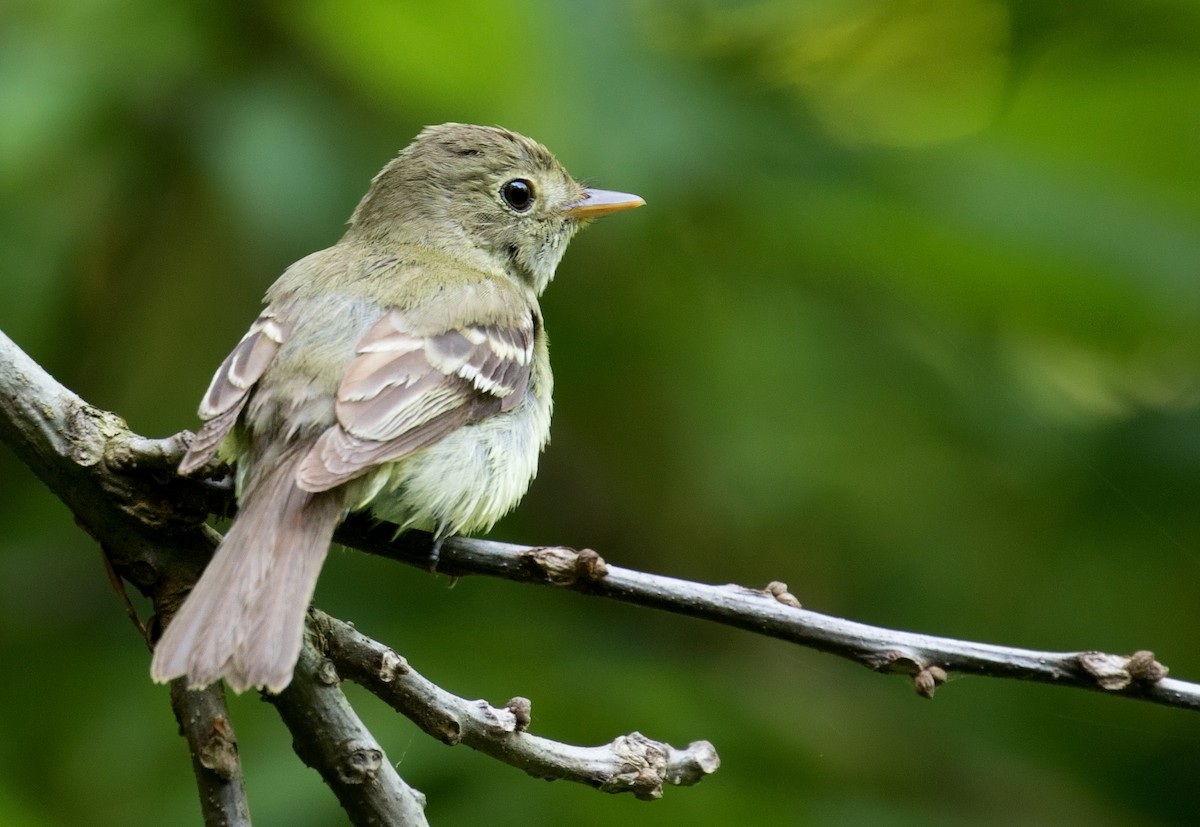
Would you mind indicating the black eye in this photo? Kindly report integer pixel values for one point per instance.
(518, 194)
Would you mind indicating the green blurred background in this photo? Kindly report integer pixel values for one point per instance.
(911, 321)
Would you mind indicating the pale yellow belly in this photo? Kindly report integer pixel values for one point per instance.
(467, 480)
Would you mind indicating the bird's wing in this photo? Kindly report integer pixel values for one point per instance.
(404, 391)
(231, 386)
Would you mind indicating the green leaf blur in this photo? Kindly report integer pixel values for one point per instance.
(911, 321)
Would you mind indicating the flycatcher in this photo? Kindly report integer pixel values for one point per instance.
(403, 370)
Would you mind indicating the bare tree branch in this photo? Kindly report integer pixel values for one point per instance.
(329, 737)
(204, 721)
(771, 612)
(630, 763)
(123, 490)
(776, 613)
(150, 522)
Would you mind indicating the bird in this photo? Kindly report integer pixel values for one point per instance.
(403, 371)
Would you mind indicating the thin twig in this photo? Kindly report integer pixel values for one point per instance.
(630, 763)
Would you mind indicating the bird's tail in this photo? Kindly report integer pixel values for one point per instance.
(244, 620)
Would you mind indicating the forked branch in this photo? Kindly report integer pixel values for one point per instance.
(122, 489)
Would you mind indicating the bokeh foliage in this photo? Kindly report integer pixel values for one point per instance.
(912, 321)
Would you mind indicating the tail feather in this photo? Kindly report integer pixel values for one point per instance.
(244, 621)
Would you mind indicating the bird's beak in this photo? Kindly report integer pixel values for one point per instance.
(601, 202)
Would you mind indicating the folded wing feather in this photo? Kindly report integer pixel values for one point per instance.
(404, 391)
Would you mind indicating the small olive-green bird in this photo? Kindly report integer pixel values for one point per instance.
(403, 370)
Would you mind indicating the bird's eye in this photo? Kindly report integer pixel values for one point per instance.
(518, 194)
